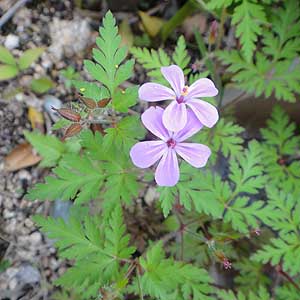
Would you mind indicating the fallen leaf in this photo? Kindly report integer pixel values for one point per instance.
(36, 119)
(126, 33)
(197, 21)
(152, 25)
(22, 156)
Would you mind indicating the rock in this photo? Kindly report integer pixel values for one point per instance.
(35, 238)
(12, 41)
(61, 209)
(151, 195)
(69, 37)
(50, 101)
(27, 274)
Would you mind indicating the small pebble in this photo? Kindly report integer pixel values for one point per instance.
(12, 41)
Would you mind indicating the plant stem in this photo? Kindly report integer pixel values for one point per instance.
(139, 284)
(289, 278)
(221, 28)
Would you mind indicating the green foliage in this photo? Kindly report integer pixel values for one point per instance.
(8, 72)
(4, 264)
(69, 74)
(248, 16)
(285, 219)
(287, 292)
(76, 177)
(11, 66)
(229, 200)
(152, 60)
(280, 142)
(50, 147)
(109, 67)
(6, 57)
(262, 294)
(248, 187)
(158, 280)
(224, 137)
(251, 274)
(275, 68)
(97, 249)
(41, 85)
(124, 134)
(29, 56)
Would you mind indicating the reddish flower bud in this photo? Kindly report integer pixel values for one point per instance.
(213, 32)
(90, 103)
(103, 102)
(68, 114)
(72, 130)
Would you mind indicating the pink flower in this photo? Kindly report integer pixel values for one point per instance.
(175, 115)
(146, 154)
(227, 264)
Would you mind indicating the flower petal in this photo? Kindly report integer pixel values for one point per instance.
(152, 119)
(175, 77)
(195, 154)
(146, 154)
(206, 113)
(203, 87)
(167, 172)
(175, 116)
(153, 92)
(193, 125)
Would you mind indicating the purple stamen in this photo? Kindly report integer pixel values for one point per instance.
(180, 99)
(171, 143)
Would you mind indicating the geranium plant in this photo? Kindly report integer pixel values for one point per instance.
(243, 218)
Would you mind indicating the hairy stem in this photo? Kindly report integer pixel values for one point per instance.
(139, 284)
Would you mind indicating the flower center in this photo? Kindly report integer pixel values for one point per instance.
(171, 143)
(184, 93)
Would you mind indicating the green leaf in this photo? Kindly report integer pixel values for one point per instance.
(48, 146)
(6, 57)
(279, 143)
(217, 4)
(158, 279)
(124, 99)
(181, 56)
(41, 85)
(30, 56)
(152, 61)
(125, 134)
(283, 217)
(224, 137)
(96, 248)
(75, 178)
(91, 90)
(261, 294)
(109, 56)
(248, 16)
(246, 171)
(8, 72)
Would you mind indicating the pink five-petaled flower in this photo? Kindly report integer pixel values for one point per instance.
(146, 154)
(175, 115)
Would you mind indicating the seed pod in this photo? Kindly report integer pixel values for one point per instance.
(72, 130)
(90, 103)
(103, 102)
(68, 114)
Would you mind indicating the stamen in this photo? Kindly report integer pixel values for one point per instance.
(171, 143)
(185, 91)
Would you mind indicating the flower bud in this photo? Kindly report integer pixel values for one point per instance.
(68, 114)
(72, 130)
(90, 103)
(103, 102)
